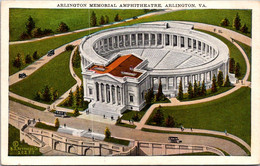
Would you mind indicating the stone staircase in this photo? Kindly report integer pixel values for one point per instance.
(98, 108)
(45, 149)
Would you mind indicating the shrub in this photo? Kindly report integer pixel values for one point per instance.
(69, 47)
(136, 117)
(227, 82)
(25, 36)
(63, 27)
(76, 59)
(57, 123)
(18, 61)
(107, 133)
(158, 117)
(119, 120)
(224, 22)
(220, 78)
(28, 59)
(36, 32)
(76, 112)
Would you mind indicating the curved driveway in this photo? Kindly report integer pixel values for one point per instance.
(118, 131)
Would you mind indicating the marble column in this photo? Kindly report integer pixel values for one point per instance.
(116, 94)
(100, 95)
(105, 92)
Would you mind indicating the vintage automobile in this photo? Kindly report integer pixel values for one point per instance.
(174, 140)
(60, 114)
(51, 52)
(22, 75)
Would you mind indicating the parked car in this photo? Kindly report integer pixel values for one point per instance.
(60, 114)
(51, 52)
(135, 17)
(174, 140)
(22, 75)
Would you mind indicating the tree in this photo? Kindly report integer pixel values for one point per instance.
(227, 82)
(244, 29)
(18, 61)
(70, 99)
(237, 72)
(30, 25)
(214, 85)
(149, 96)
(63, 27)
(35, 55)
(76, 59)
(169, 122)
(232, 65)
(220, 78)
(203, 89)
(46, 95)
(159, 93)
(117, 18)
(190, 91)
(195, 89)
(102, 20)
(236, 22)
(199, 89)
(106, 19)
(81, 95)
(55, 95)
(180, 93)
(77, 96)
(158, 117)
(38, 96)
(57, 123)
(76, 112)
(28, 59)
(93, 19)
(224, 22)
(107, 133)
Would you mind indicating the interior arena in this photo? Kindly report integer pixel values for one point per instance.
(120, 64)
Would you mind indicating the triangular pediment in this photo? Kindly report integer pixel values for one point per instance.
(107, 78)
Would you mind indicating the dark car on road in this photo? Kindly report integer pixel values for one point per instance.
(60, 114)
(51, 52)
(22, 75)
(174, 140)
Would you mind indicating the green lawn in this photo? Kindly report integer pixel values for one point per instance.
(51, 18)
(126, 125)
(55, 73)
(220, 90)
(128, 114)
(248, 52)
(17, 148)
(234, 53)
(43, 46)
(27, 104)
(45, 126)
(208, 16)
(117, 141)
(232, 112)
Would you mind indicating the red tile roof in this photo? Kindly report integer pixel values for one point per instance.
(120, 67)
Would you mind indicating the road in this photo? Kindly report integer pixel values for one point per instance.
(118, 131)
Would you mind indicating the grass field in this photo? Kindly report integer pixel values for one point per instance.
(45, 126)
(208, 16)
(43, 46)
(51, 18)
(126, 125)
(220, 90)
(248, 52)
(117, 141)
(17, 148)
(232, 112)
(234, 53)
(56, 74)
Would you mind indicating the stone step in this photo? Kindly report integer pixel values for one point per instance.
(45, 149)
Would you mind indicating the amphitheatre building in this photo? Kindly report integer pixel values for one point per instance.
(120, 64)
